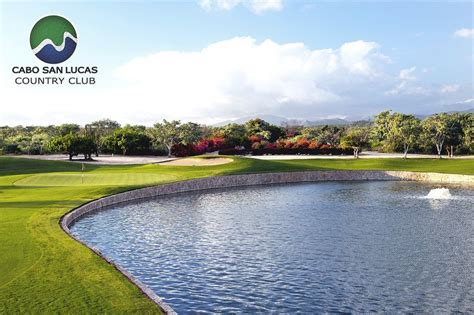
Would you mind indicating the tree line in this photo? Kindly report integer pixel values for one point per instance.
(441, 134)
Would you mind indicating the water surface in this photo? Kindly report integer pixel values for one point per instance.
(336, 247)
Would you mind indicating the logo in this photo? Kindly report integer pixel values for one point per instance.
(53, 39)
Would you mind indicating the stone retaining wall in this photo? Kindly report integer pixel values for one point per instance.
(243, 180)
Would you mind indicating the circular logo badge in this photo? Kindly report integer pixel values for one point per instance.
(53, 39)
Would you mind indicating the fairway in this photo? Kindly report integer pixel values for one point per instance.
(42, 270)
(92, 179)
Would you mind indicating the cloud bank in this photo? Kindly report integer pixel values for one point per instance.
(241, 77)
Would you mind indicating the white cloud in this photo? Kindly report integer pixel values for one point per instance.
(240, 76)
(407, 74)
(464, 33)
(407, 84)
(256, 6)
(410, 85)
(466, 101)
(354, 57)
(259, 6)
(449, 88)
(406, 88)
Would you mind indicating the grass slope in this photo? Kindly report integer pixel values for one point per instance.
(42, 270)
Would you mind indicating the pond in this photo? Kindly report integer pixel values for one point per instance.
(333, 246)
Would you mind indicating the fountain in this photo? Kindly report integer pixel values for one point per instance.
(439, 193)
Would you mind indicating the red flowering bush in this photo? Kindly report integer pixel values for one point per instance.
(301, 143)
(280, 143)
(255, 138)
(313, 145)
(215, 143)
(288, 144)
(209, 145)
(199, 148)
(218, 141)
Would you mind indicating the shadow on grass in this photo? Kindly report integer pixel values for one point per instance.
(18, 166)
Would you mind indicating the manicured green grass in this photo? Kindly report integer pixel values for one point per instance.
(416, 165)
(91, 179)
(42, 270)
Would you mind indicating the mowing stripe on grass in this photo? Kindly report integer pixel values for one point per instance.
(76, 179)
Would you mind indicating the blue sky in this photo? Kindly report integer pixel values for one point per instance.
(407, 50)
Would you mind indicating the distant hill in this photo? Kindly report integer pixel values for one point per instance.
(319, 122)
(272, 119)
(470, 110)
(282, 121)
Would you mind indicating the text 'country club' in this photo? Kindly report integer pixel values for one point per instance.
(38, 80)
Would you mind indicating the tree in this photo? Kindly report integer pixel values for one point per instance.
(66, 129)
(440, 127)
(265, 130)
(380, 130)
(189, 133)
(276, 132)
(356, 138)
(234, 134)
(39, 142)
(310, 133)
(454, 133)
(256, 126)
(131, 139)
(467, 123)
(166, 133)
(327, 134)
(85, 145)
(330, 135)
(99, 130)
(404, 130)
(22, 141)
(72, 145)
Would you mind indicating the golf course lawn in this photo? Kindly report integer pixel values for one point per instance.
(42, 270)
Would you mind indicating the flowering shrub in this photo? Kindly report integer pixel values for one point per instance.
(257, 145)
(255, 138)
(288, 151)
(313, 145)
(301, 143)
(280, 143)
(288, 144)
(202, 146)
(215, 143)
(199, 148)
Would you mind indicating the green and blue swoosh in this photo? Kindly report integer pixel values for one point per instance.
(53, 39)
